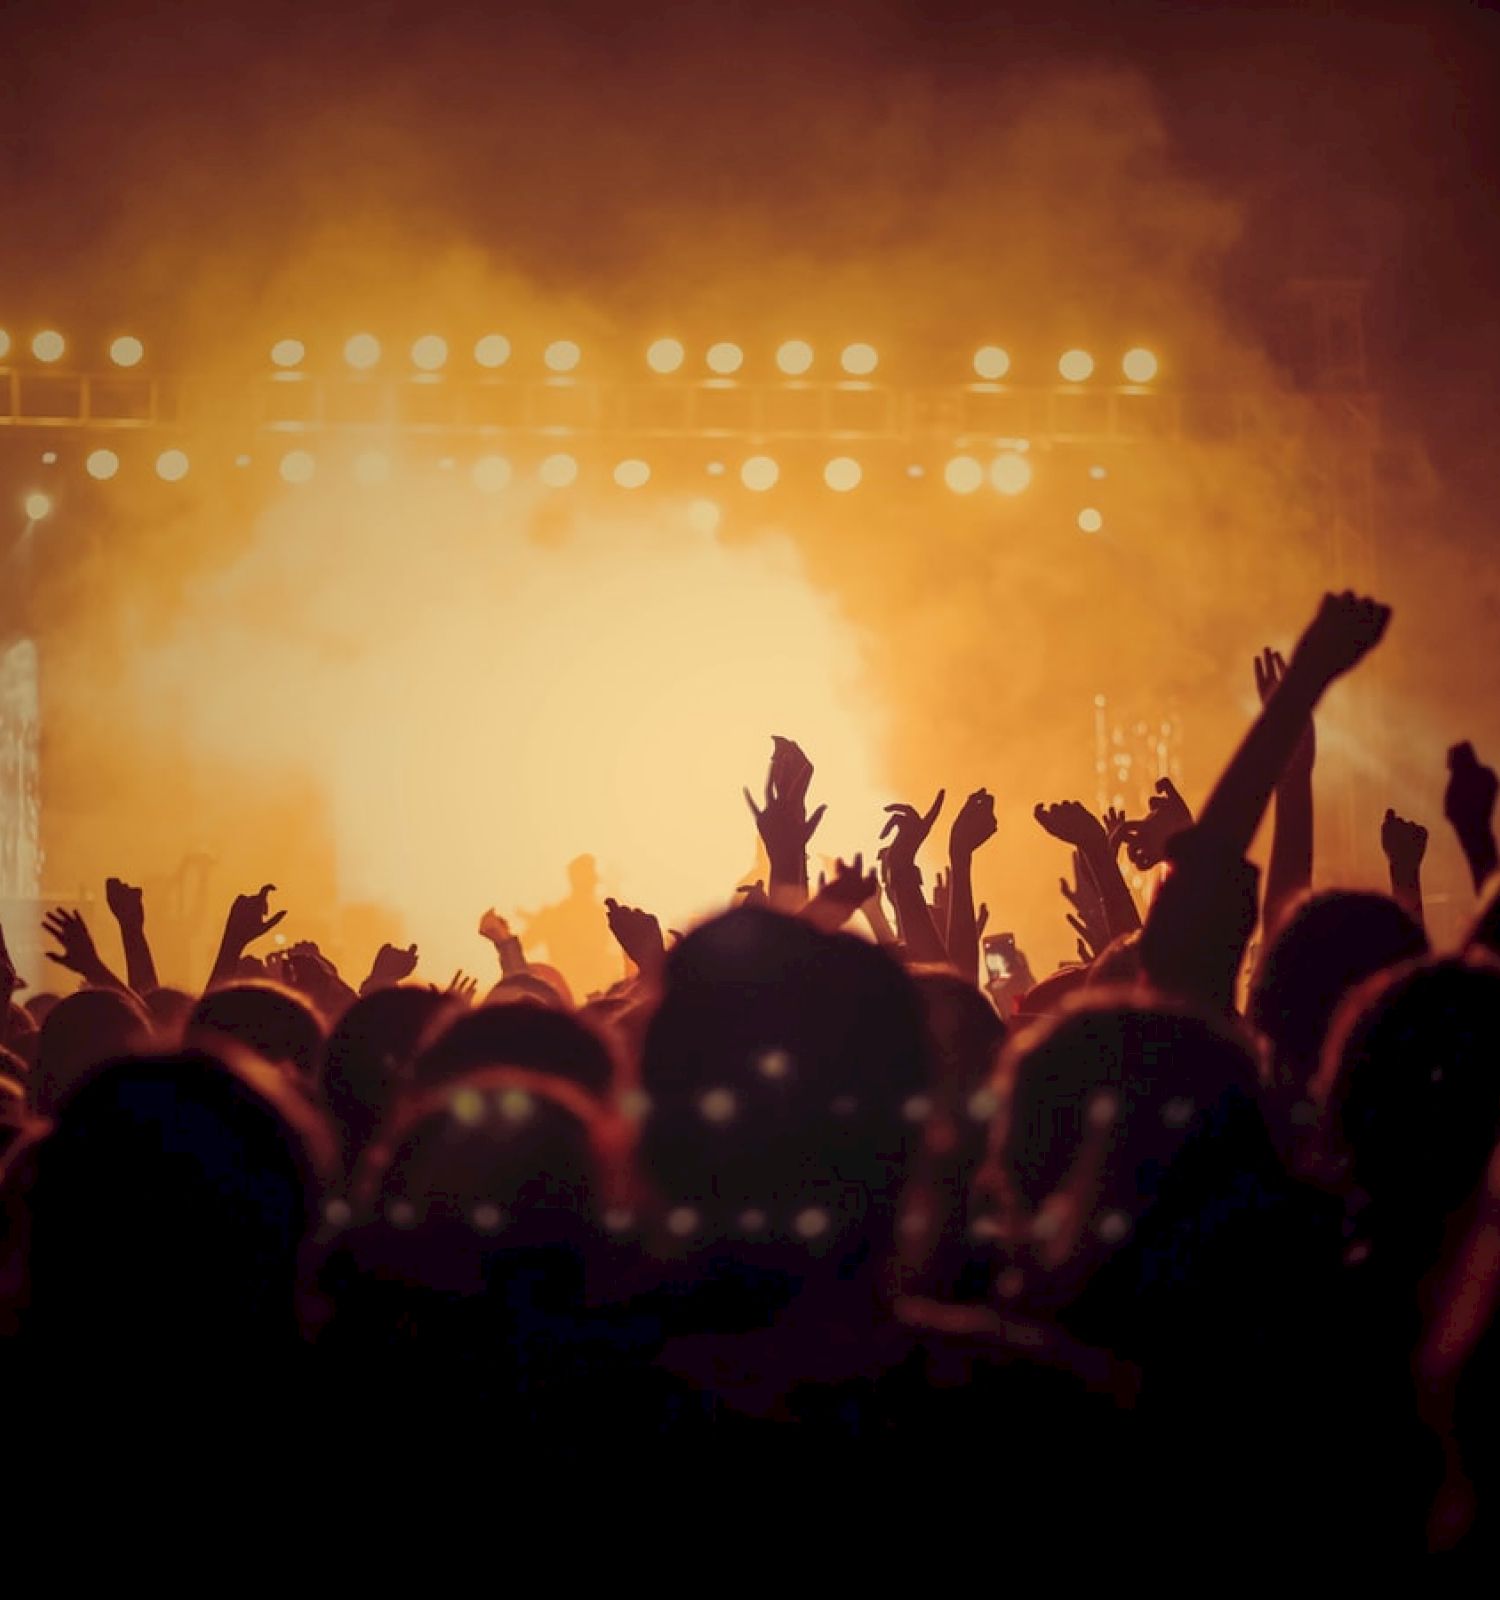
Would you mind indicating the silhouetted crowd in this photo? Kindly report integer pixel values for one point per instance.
(1191, 1245)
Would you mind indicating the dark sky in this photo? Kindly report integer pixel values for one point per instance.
(1363, 141)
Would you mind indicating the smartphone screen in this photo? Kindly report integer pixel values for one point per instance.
(997, 956)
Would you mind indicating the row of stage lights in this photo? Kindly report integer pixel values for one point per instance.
(795, 358)
(1009, 473)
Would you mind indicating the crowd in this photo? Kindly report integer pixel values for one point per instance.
(832, 1201)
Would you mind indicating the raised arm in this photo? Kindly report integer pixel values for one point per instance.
(784, 825)
(1340, 636)
(249, 919)
(1290, 871)
(1469, 805)
(76, 949)
(909, 828)
(974, 824)
(1405, 843)
(129, 907)
(1075, 824)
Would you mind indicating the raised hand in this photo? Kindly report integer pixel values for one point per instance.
(1167, 815)
(973, 824)
(1270, 670)
(76, 949)
(1404, 843)
(1114, 822)
(1072, 822)
(250, 916)
(462, 987)
(126, 902)
(783, 823)
(754, 893)
(1469, 806)
(1345, 630)
(638, 934)
(908, 829)
(1087, 918)
(392, 965)
(493, 926)
(849, 890)
(942, 897)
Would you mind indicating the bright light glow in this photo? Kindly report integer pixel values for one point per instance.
(49, 458)
(963, 475)
(48, 346)
(632, 474)
(859, 360)
(550, 620)
(704, 516)
(1075, 365)
(1010, 473)
(126, 351)
(172, 465)
(760, 473)
(1098, 472)
(991, 362)
(38, 505)
(1140, 365)
(287, 352)
(562, 355)
(557, 472)
(716, 469)
(242, 461)
(491, 474)
(794, 357)
(725, 358)
(666, 355)
(493, 350)
(1090, 520)
(297, 466)
(102, 464)
(842, 473)
(372, 468)
(429, 352)
(362, 351)
(4, 344)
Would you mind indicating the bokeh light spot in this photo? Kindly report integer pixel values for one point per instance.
(172, 465)
(492, 350)
(102, 464)
(725, 358)
(665, 355)
(1075, 365)
(126, 351)
(297, 466)
(562, 355)
(48, 345)
(794, 357)
(760, 473)
(859, 360)
(429, 352)
(843, 474)
(1140, 365)
(558, 471)
(1011, 472)
(963, 475)
(362, 351)
(991, 362)
(632, 474)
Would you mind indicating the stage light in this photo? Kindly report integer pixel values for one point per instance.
(49, 458)
(48, 346)
(371, 468)
(1097, 473)
(287, 352)
(4, 344)
(297, 466)
(1010, 473)
(38, 505)
(632, 474)
(126, 351)
(759, 473)
(1075, 365)
(362, 351)
(429, 352)
(493, 350)
(963, 475)
(101, 464)
(725, 359)
(491, 474)
(842, 473)
(557, 472)
(794, 357)
(172, 465)
(703, 516)
(562, 355)
(1089, 520)
(991, 362)
(1140, 365)
(859, 360)
(666, 355)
